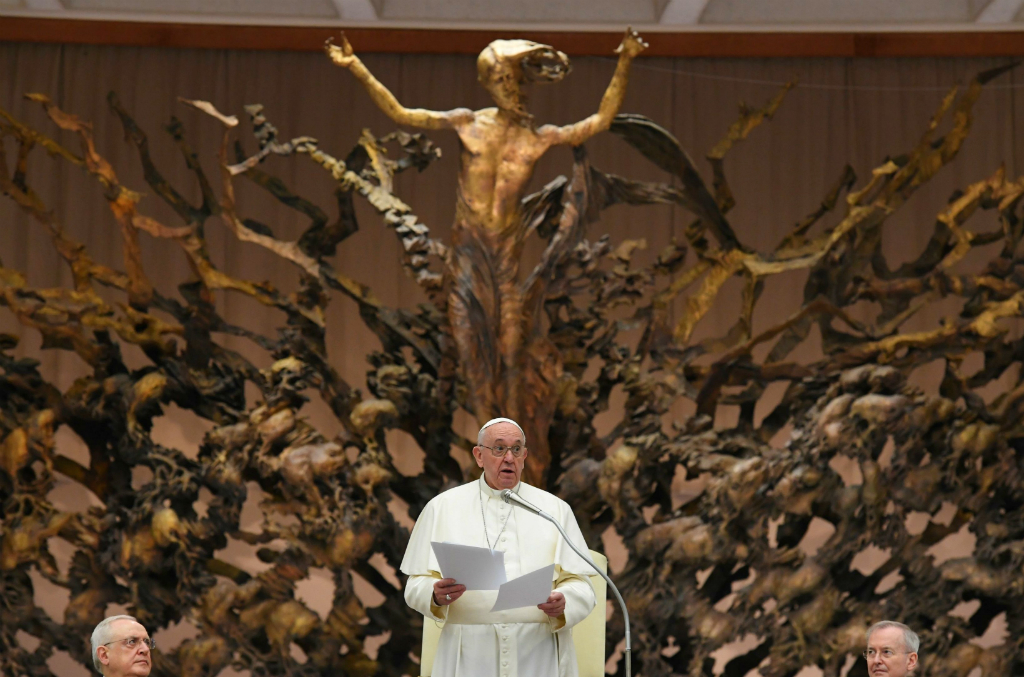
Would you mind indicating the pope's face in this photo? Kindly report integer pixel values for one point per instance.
(121, 661)
(501, 472)
(889, 656)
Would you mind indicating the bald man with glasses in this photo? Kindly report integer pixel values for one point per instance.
(121, 647)
(524, 642)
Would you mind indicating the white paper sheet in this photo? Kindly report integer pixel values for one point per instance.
(528, 590)
(476, 568)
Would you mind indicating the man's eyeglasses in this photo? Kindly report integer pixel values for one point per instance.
(886, 654)
(132, 642)
(499, 450)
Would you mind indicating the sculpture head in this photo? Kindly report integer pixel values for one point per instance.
(506, 66)
(892, 649)
(496, 445)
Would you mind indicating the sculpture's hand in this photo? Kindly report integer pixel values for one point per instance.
(343, 54)
(575, 134)
(632, 44)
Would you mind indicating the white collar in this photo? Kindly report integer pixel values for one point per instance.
(496, 493)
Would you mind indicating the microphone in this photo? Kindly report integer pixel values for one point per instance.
(512, 498)
(515, 499)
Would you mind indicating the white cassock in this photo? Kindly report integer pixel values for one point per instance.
(522, 642)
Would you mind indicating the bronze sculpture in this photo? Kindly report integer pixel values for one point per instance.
(724, 564)
(492, 314)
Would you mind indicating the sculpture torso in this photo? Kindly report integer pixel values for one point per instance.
(499, 152)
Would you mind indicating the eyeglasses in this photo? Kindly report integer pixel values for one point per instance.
(132, 642)
(886, 654)
(499, 451)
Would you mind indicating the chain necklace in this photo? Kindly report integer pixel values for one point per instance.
(487, 538)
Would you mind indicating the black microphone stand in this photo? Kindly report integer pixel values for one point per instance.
(513, 499)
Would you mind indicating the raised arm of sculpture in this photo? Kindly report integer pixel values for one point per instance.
(575, 134)
(343, 55)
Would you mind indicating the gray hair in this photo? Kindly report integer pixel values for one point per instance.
(485, 426)
(911, 642)
(101, 636)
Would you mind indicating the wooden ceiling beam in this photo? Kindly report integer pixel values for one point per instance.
(449, 41)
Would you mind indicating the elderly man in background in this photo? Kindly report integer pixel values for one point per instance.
(121, 647)
(892, 649)
(524, 642)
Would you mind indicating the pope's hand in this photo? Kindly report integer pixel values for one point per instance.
(447, 591)
(555, 606)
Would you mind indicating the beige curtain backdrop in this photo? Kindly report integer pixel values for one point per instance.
(848, 111)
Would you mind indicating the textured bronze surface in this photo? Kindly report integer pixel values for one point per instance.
(723, 565)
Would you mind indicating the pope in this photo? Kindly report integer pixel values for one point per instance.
(528, 641)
